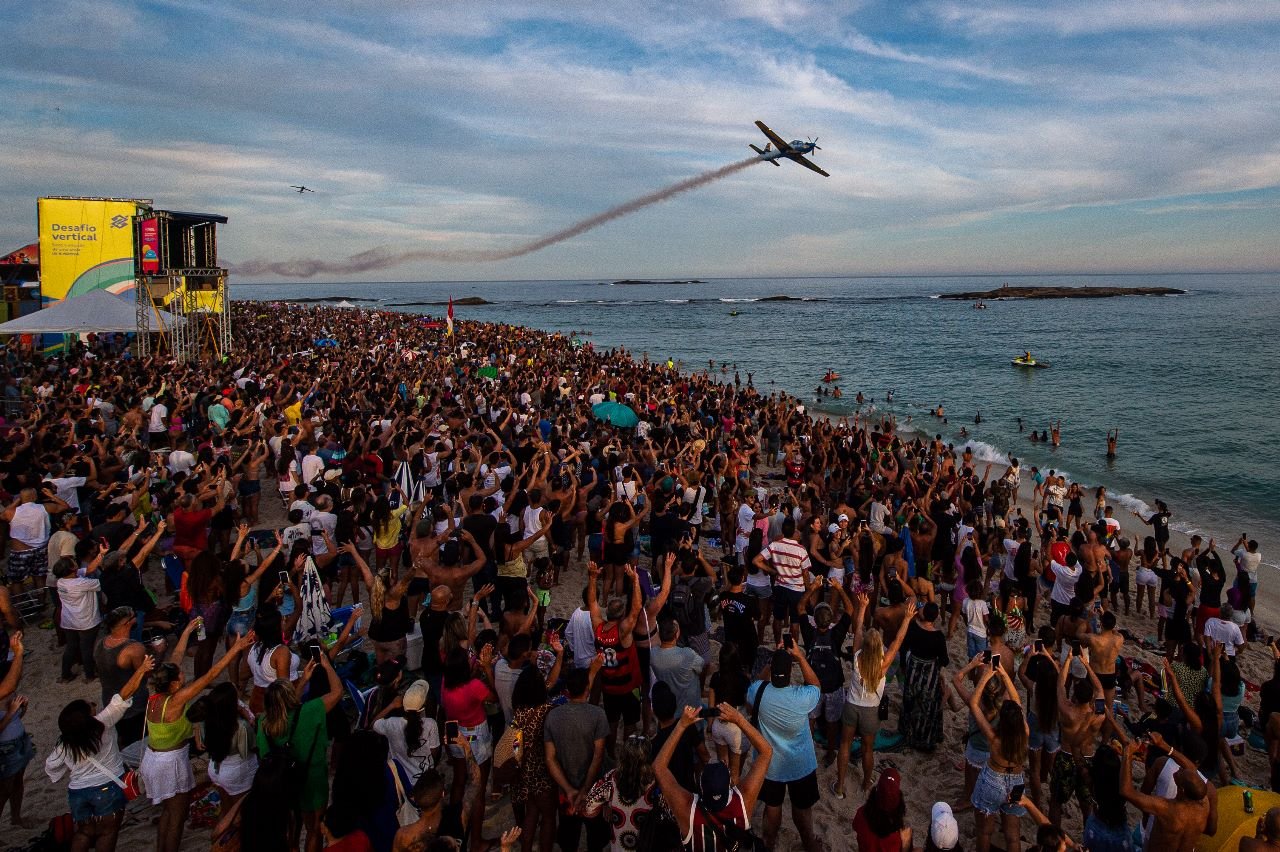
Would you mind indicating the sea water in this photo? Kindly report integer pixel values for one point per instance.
(1191, 382)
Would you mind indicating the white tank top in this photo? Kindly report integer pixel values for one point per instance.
(264, 674)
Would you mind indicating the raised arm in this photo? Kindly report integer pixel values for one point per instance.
(678, 799)
(197, 686)
(664, 591)
(891, 654)
(975, 706)
(628, 623)
(593, 573)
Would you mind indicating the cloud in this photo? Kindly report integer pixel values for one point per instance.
(1103, 16)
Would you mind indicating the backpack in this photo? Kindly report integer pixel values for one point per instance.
(686, 608)
(281, 757)
(822, 659)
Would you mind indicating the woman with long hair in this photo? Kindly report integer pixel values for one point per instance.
(1148, 581)
(880, 824)
(241, 584)
(463, 697)
(87, 751)
(288, 723)
(729, 685)
(270, 658)
(413, 738)
(861, 715)
(263, 819)
(166, 762)
(620, 522)
(1008, 739)
(1039, 674)
(203, 583)
(533, 796)
(924, 656)
(628, 794)
(227, 733)
(371, 788)
(1106, 829)
(759, 584)
(390, 623)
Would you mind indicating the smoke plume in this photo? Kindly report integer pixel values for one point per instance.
(385, 257)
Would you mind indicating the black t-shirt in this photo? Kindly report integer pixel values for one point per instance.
(665, 530)
(925, 644)
(394, 624)
(481, 526)
(738, 609)
(1160, 525)
(730, 689)
(432, 623)
(1212, 579)
(684, 763)
(115, 532)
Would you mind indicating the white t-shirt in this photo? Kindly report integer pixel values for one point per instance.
(878, 517)
(30, 525)
(322, 522)
(1057, 495)
(581, 638)
(158, 413)
(180, 461)
(79, 596)
(1064, 582)
(1245, 561)
(312, 466)
(1225, 633)
(975, 615)
(413, 762)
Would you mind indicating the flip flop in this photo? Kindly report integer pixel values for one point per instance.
(834, 791)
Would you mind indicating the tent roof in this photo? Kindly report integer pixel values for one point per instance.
(95, 311)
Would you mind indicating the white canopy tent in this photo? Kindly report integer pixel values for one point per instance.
(97, 311)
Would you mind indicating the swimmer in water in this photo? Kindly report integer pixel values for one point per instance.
(1113, 437)
(1019, 424)
(977, 420)
(964, 433)
(1057, 433)
(1035, 438)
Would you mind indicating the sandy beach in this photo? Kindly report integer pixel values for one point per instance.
(926, 778)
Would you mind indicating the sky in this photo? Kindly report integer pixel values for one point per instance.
(972, 137)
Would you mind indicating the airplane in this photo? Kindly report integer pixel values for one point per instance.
(793, 151)
(301, 189)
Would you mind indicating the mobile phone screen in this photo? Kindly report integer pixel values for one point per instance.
(788, 641)
(284, 578)
(709, 713)
(451, 731)
(316, 651)
(1039, 646)
(1100, 706)
(995, 662)
(986, 656)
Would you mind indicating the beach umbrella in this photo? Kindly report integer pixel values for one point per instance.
(489, 372)
(616, 414)
(414, 488)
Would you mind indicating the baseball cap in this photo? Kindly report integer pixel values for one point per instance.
(943, 830)
(888, 791)
(780, 669)
(715, 788)
(833, 528)
(843, 517)
(415, 698)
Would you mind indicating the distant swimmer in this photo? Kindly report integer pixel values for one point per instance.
(964, 433)
(837, 394)
(1057, 433)
(859, 398)
(977, 420)
(888, 397)
(1019, 424)
(1035, 437)
(1113, 437)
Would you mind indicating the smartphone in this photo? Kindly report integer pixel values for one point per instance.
(1100, 706)
(709, 713)
(1039, 646)
(986, 656)
(1016, 794)
(450, 732)
(788, 641)
(316, 651)
(995, 662)
(284, 578)
(1076, 650)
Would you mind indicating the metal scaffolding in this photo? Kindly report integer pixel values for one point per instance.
(185, 280)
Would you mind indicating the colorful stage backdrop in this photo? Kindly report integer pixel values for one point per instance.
(85, 244)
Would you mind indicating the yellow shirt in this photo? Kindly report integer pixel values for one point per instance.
(389, 537)
(293, 413)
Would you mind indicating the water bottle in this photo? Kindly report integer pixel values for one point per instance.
(200, 633)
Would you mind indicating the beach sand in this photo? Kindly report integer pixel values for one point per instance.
(925, 778)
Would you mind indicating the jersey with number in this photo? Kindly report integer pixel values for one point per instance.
(620, 673)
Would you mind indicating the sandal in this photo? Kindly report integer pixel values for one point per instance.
(835, 791)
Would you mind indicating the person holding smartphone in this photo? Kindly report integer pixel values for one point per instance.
(1003, 775)
(1080, 697)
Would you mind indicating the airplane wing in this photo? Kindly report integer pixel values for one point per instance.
(773, 137)
(807, 164)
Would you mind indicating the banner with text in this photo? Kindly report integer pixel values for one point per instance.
(85, 244)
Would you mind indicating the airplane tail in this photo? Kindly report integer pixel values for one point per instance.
(762, 153)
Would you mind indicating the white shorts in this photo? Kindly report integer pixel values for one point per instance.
(728, 735)
(1147, 577)
(481, 744)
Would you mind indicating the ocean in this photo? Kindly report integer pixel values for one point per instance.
(1191, 382)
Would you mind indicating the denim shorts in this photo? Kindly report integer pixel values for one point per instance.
(1230, 725)
(974, 645)
(991, 793)
(241, 621)
(976, 757)
(1039, 740)
(96, 802)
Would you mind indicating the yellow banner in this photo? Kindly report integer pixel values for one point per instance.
(85, 244)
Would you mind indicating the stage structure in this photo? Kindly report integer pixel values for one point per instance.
(178, 272)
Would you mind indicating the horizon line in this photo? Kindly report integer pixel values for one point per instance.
(859, 276)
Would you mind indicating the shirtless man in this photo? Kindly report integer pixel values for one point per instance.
(1178, 822)
(1120, 561)
(1104, 649)
(1094, 554)
(1113, 436)
(923, 532)
(1267, 835)
(454, 575)
(1080, 723)
(892, 565)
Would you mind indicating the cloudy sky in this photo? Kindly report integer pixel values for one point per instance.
(974, 136)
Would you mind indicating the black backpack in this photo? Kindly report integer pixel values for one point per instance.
(687, 608)
(280, 757)
(824, 662)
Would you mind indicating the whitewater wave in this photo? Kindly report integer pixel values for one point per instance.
(730, 301)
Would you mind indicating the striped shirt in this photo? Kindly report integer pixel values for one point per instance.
(702, 837)
(790, 560)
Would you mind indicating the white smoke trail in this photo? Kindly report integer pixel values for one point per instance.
(385, 257)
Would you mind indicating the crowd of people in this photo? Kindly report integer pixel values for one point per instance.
(472, 612)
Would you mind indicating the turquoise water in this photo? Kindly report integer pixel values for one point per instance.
(1191, 381)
